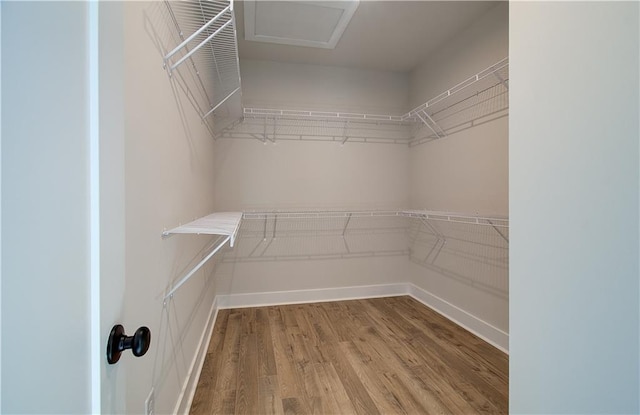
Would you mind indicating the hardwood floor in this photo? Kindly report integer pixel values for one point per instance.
(376, 356)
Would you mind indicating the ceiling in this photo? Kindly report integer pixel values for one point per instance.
(382, 35)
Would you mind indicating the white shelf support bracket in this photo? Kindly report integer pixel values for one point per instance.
(264, 233)
(498, 230)
(275, 129)
(433, 126)
(275, 225)
(225, 224)
(220, 103)
(346, 132)
(196, 268)
(502, 81)
(344, 230)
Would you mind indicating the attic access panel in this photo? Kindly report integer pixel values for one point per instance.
(299, 23)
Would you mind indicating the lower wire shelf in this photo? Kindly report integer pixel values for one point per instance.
(225, 224)
(284, 235)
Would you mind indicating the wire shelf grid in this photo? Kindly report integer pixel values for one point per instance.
(473, 255)
(295, 235)
(478, 99)
(197, 39)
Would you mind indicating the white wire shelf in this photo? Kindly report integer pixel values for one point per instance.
(345, 214)
(426, 237)
(474, 255)
(320, 214)
(272, 125)
(220, 223)
(225, 224)
(499, 222)
(341, 234)
(198, 42)
(478, 99)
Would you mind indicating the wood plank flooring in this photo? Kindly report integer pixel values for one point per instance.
(376, 356)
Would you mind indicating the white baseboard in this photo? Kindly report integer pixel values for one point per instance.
(464, 319)
(467, 321)
(183, 404)
(311, 296)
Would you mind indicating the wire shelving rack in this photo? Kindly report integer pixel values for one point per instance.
(477, 99)
(341, 234)
(197, 39)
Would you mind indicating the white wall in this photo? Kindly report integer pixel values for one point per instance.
(307, 175)
(45, 227)
(313, 175)
(282, 85)
(169, 175)
(479, 46)
(466, 172)
(251, 175)
(574, 164)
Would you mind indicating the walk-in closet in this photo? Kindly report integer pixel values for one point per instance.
(253, 207)
(360, 151)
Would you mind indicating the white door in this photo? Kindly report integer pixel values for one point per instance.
(106, 23)
(62, 207)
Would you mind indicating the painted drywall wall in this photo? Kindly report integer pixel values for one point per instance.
(45, 223)
(281, 85)
(574, 163)
(309, 176)
(278, 275)
(465, 172)
(468, 170)
(294, 175)
(481, 45)
(251, 175)
(169, 175)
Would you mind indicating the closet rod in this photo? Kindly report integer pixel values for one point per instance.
(197, 267)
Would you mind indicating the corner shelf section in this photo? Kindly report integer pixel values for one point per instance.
(478, 99)
(496, 222)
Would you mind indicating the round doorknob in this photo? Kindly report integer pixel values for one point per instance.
(119, 342)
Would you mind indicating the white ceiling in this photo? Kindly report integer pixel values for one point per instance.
(383, 35)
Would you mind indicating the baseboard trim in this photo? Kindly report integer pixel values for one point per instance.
(185, 399)
(462, 318)
(311, 296)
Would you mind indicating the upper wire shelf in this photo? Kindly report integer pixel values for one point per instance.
(198, 42)
(479, 98)
(482, 97)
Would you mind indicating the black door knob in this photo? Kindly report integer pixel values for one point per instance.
(118, 342)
